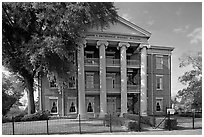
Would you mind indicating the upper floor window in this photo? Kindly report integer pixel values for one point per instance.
(159, 82)
(72, 82)
(53, 83)
(159, 62)
(89, 54)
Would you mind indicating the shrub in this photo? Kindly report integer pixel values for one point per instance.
(6, 119)
(132, 125)
(40, 115)
(19, 117)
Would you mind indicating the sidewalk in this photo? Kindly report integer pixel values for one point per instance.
(159, 132)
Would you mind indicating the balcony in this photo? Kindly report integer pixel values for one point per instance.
(111, 62)
(91, 61)
(116, 88)
(133, 63)
(133, 88)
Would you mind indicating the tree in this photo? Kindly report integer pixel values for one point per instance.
(11, 92)
(38, 37)
(192, 94)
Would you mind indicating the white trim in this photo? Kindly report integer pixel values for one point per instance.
(89, 52)
(51, 97)
(160, 55)
(159, 98)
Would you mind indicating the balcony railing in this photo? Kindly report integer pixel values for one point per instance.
(93, 87)
(133, 87)
(113, 62)
(91, 61)
(114, 88)
(133, 63)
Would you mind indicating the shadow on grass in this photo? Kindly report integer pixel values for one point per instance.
(186, 128)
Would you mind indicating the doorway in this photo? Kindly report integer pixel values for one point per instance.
(111, 105)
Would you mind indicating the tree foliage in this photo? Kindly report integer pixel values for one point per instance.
(193, 80)
(38, 37)
(12, 90)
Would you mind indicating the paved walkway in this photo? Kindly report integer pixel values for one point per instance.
(159, 132)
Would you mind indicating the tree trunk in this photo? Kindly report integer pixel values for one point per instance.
(30, 90)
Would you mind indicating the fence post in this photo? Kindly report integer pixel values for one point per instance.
(13, 125)
(139, 123)
(169, 121)
(193, 119)
(110, 124)
(79, 124)
(47, 126)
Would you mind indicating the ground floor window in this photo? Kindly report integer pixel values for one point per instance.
(159, 104)
(72, 105)
(90, 104)
(53, 105)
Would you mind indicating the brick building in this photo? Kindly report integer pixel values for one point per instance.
(114, 66)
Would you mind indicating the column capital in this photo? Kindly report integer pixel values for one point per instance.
(101, 42)
(142, 45)
(127, 45)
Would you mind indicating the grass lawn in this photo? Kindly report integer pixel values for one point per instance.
(71, 126)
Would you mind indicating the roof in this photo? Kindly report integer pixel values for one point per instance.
(123, 27)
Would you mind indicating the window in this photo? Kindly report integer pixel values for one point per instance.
(53, 105)
(72, 82)
(90, 104)
(159, 62)
(72, 105)
(89, 54)
(89, 80)
(159, 82)
(159, 104)
(53, 83)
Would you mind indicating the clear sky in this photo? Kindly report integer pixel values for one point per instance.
(174, 24)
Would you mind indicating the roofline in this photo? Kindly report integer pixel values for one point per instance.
(132, 25)
(162, 47)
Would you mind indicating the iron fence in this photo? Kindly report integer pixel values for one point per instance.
(110, 123)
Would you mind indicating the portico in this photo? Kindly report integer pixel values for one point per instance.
(101, 46)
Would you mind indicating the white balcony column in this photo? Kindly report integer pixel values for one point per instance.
(103, 97)
(81, 81)
(123, 70)
(143, 73)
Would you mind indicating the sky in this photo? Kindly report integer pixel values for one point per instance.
(174, 24)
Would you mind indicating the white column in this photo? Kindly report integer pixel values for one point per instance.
(103, 97)
(81, 82)
(143, 71)
(123, 62)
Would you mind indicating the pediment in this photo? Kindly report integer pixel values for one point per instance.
(123, 27)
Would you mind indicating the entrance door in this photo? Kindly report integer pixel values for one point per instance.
(111, 105)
